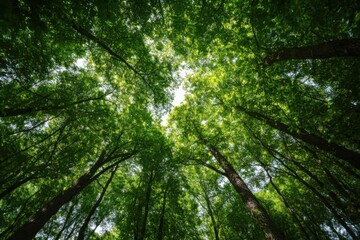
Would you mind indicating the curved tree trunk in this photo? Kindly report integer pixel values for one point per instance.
(341, 152)
(331, 49)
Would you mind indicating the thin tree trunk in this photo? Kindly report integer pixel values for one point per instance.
(312, 188)
(256, 210)
(83, 228)
(142, 232)
(343, 153)
(314, 226)
(212, 217)
(67, 218)
(321, 198)
(160, 232)
(331, 49)
(287, 205)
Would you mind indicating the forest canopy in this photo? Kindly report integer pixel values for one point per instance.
(265, 144)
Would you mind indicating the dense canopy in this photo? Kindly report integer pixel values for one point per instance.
(265, 144)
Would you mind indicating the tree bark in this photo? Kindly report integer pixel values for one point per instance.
(341, 152)
(30, 228)
(83, 228)
(257, 211)
(331, 49)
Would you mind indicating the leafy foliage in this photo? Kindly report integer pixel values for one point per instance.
(83, 87)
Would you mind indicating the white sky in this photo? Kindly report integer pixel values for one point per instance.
(179, 93)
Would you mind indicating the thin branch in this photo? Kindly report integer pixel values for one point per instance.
(91, 37)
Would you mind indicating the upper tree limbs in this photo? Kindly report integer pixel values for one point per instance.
(336, 48)
(82, 31)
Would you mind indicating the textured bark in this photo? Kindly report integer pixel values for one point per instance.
(341, 152)
(83, 228)
(30, 228)
(331, 49)
(257, 211)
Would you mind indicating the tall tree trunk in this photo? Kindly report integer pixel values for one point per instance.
(257, 211)
(29, 229)
(65, 224)
(321, 198)
(142, 232)
(287, 205)
(341, 152)
(160, 233)
(212, 217)
(331, 49)
(83, 228)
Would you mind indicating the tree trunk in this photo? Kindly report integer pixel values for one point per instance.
(83, 228)
(287, 205)
(343, 153)
(29, 229)
(257, 211)
(142, 232)
(321, 198)
(332, 49)
(162, 216)
(213, 221)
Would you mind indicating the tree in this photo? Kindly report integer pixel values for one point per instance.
(336, 48)
(85, 85)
